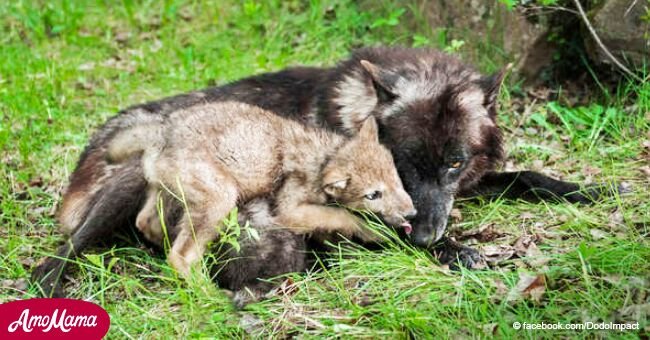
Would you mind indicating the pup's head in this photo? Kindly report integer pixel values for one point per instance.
(362, 175)
(436, 114)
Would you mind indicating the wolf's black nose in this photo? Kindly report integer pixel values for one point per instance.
(411, 214)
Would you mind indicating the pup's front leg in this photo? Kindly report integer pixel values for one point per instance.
(208, 203)
(196, 231)
(307, 218)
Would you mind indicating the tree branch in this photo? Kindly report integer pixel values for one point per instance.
(601, 45)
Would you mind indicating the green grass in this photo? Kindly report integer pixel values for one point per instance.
(66, 66)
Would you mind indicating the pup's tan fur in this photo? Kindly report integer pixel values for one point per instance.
(216, 155)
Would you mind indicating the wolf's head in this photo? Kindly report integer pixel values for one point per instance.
(437, 115)
(362, 175)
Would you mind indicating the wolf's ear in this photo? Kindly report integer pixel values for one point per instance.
(333, 184)
(369, 130)
(382, 88)
(492, 85)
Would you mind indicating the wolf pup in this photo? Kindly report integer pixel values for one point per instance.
(216, 155)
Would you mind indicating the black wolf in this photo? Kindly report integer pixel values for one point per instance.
(437, 115)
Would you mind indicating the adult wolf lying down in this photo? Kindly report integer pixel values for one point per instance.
(436, 114)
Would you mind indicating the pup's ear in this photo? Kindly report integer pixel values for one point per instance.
(334, 183)
(380, 81)
(492, 85)
(369, 130)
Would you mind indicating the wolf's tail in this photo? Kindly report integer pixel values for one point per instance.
(111, 207)
(117, 142)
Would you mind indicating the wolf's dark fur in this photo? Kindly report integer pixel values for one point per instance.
(436, 114)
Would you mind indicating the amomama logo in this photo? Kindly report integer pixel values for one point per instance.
(53, 319)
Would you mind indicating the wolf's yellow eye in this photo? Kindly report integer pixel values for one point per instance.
(456, 165)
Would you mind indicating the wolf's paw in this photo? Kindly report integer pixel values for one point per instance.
(456, 255)
(46, 281)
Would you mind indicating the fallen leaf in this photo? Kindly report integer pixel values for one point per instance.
(510, 166)
(531, 131)
(185, 14)
(528, 286)
(497, 253)
(534, 257)
(251, 324)
(616, 216)
(634, 313)
(502, 288)
(27, 262)
(456, 215)
(537, 165)
(86, 66)
(19, 284)
(645, 170)
(122, 37)
(490, 329)
(590, 170)
(156, 46)
(526, 216)
(287, 288)
(522, 244)
(484, 233)
(36, 182)
(646, 144)
(597, 234)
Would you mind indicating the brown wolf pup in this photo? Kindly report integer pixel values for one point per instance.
(216, 155)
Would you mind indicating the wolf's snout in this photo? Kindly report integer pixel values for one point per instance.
(409, 215)
(426, 235)
(422, 239)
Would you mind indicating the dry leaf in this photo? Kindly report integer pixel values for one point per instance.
(534, 257)
(645, 170)
(19, 284)
(497, 253)
(122, 37)
(591, 171)
(633, 312)
(616, 217)
(522, 244)
(597, 234)
(456, 215)
(531, 131)
(527, 216)
(287, 288)
(251, 324)
(646, 144)
(490, 329)
(529, 286)
(156, 46)
(86, 66)
(484, 233)
(502, 288)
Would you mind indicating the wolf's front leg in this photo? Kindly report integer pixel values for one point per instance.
(208, 202)
(534, 187)
(196, 232)
(307, 218)
(188, 247)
